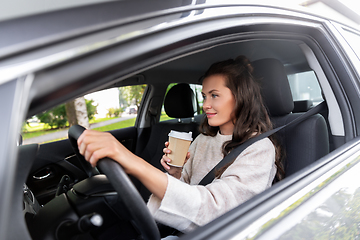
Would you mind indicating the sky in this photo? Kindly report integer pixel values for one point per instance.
(105, 99)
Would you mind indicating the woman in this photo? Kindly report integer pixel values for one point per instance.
(234, 113)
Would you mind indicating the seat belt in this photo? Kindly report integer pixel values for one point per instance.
(236, 152)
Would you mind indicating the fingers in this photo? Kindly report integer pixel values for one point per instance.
(164, 160)
(95, 145)
(95, 156)
(85, 139)
(166, 150)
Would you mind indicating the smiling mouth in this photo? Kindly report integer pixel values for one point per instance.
(210, 115)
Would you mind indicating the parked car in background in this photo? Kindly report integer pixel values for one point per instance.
(301, 59)
(131, 110)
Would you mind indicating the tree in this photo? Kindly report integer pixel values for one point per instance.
(131, 95)
(71, 112)
(55, 117)
(114, 112)
(123, 102)
(76, 112)
(61, 115)
(91, 109)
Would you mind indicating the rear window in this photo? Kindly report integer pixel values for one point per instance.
(305, 86)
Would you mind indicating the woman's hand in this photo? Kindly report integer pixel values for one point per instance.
(173, 171)
(94, 145)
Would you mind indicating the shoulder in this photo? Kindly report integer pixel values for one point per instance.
(264, 143)
(262, 150)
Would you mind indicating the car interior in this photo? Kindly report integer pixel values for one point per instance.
(292, 82)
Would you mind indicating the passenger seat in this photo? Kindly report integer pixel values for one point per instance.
(303, 143)
(302, 106)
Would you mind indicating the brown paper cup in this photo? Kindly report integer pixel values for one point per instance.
(179, 143)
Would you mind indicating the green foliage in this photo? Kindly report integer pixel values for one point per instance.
(164, 117)
(170, 86)
(91, 109)
(114, 112)
(131, 95)
(56, 117)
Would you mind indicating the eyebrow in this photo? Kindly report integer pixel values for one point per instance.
(211, 91)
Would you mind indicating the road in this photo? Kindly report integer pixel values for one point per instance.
(64, 133)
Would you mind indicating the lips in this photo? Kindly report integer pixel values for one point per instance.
(210, 115)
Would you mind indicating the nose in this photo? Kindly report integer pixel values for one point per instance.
(206, 105)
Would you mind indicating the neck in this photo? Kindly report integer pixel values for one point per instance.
(227, 130)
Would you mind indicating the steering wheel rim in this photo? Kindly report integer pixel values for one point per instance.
(126, 190)
(74, 133)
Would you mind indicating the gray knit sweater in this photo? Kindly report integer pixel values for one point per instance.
(187, 205)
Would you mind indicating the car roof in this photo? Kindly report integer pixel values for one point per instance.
(39, 28)
(40, 25)
(33, 33)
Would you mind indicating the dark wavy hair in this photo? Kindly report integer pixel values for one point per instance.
(250, 115)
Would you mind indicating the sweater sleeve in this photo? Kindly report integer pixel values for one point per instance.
(186, 207)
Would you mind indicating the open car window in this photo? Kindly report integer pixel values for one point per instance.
(106, 110)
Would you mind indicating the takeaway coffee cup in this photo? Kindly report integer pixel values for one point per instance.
(179, 143)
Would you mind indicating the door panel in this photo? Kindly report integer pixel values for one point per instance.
(57, 159)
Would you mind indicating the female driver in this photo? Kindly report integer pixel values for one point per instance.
(234, 113)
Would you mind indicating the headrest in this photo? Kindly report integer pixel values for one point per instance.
(275, 88)
(180, 101)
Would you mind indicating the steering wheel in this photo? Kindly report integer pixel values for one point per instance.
(127, 193)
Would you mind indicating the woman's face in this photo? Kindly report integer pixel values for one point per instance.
(219, 103)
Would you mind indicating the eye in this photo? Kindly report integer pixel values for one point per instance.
(214, 95)
(204, 97)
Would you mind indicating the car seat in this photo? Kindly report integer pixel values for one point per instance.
(302, 106)
(303, 143)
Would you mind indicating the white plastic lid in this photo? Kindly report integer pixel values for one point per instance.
(181, 135)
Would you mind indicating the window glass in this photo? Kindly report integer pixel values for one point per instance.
(104, 110)
(198, 97)
(332, 213)
(304, 86)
